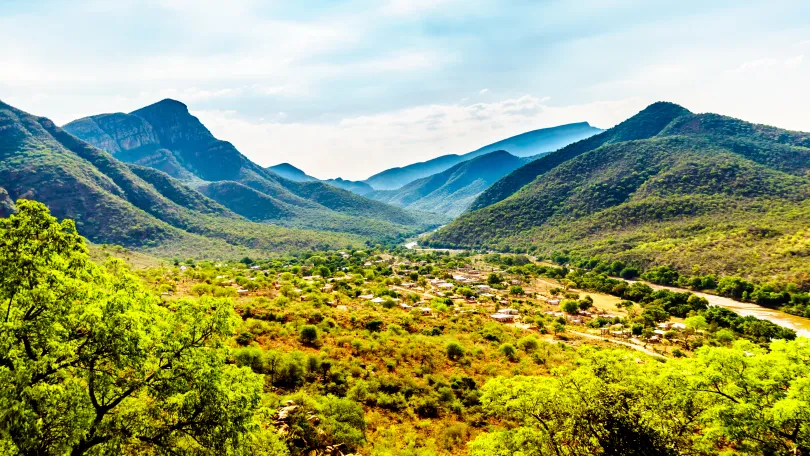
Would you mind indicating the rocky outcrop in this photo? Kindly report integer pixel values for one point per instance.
(114, 133)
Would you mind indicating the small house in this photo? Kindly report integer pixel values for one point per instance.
(503, 318)
(425, 310)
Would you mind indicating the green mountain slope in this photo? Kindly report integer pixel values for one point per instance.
(451, 192)
(645, 124)
(706, 191)
(523, 145)
(167, 137)
(113, 204)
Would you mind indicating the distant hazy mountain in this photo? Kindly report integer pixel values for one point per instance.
(665, 187)
(292, 173)
(361, 188)
(523, 145)
(165, 136)
(451, 191)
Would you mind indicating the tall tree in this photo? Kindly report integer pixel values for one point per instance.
(92, 363)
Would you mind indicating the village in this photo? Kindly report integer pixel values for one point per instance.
(547, 307)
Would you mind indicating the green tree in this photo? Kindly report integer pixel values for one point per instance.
(91, 362)
(569, 306)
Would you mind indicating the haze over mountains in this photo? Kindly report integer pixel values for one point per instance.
(448, 184)
(450, 192)
(526, 144)
(665, 187)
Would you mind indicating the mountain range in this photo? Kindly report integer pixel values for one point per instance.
(526, 144)
(130, 205)
(665, 187)
(292, 173)
(447, 185)
(166, 137)
(450, 192)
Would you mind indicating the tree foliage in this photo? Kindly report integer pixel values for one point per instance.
(90, 362)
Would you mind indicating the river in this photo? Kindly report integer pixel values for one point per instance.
(799, 324)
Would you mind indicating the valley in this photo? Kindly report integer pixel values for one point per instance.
(624, 275)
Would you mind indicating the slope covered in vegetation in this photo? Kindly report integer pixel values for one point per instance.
(167, 137)
(290, 356)
(702, 191)
(113, 204)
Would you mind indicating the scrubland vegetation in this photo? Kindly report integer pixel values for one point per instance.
(375, 352)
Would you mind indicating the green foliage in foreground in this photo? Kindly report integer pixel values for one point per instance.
(738, 400)
(91, 363)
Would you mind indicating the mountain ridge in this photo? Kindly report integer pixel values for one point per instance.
(112, 204)
(451, 191)
(174, 141)
(665, 187)
(525, 144)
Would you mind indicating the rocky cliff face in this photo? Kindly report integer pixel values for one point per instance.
(114, 132)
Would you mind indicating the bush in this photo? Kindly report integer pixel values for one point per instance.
(509, 351)
(528, 344)
(455, 351)
(308, 335)
(374, 325)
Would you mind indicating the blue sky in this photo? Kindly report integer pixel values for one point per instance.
(348, 88)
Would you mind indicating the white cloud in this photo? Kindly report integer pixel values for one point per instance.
(414, 7)
(483, 91)
(793, 62)
(357, 147)
(756, 64)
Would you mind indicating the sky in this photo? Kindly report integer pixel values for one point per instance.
(349, 88)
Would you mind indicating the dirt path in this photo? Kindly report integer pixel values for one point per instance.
(626, 344)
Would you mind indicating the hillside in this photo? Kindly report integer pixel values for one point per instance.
(645, 124)
(165, 136)
(523, 145)
(451, 192)
(138, 208)
(666, 187)
(290, 172)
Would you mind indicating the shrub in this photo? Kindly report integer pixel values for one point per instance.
(455, 351)
(308, 335)
(509, 351)
(528, 344)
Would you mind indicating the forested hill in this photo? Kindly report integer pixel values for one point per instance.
(664, 187)
(451, 191)
(165, 136)
(645, 124)
(136, 207)
(527, 144)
